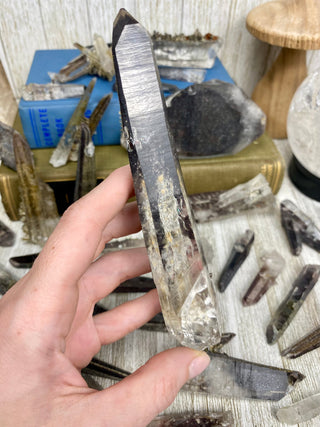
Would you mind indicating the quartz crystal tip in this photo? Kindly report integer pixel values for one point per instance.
(238, 255)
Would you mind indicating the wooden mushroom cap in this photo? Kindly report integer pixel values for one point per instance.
(293, 24)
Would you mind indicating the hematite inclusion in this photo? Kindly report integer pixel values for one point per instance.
(179, 271)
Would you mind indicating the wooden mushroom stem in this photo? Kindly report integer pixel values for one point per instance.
(275, 90)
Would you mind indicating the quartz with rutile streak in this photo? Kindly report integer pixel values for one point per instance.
(179, 270)
(239, 253)
(273, 264)
(301, 288)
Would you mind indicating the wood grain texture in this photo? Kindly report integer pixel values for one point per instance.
(288, 23)
(275, 90)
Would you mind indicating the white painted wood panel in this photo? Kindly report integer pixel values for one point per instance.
(26, 26)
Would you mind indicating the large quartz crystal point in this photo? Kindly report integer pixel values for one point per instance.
(179, 270)
(228, 376)
(239, 253)
(272, 266)
(38, 208)
(300, 411)
(213, 118)
(301, 288)
(86, 178)
(6, 146)
(307, 343)
(299, 228)
(61, 153)
(212, 419)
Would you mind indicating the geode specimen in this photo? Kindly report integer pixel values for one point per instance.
(213, 118)
(179, 270)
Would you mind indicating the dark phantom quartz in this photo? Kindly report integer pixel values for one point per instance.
(213, 118)
(177, 263)
(301, 287)
(299, 228)
(239, 253)
(307, 343)
(228, 376)
(103, 369)
(7, 236)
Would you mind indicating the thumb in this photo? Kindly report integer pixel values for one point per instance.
(137, 399)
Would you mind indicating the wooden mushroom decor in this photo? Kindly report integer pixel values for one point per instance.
(295, 26)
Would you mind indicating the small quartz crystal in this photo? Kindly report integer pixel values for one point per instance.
(178, 266)
(300, 411)
(254, 194)
(211, 419)
(239, 253)
(301, 288)
(193, 75)
(273, 264)
(308, 343)
(49, 91)
(7, 236)
(228, 376)
(299, 228)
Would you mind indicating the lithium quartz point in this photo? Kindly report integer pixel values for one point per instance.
(179, 271)
(273, 264)
(301, 287)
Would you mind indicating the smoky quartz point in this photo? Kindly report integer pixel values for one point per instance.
(239, 253)
(273, 264)
(301, 288)
(306, 344)
(299, 228)
(7, 236)
(211, 419)
(179, 270)
(228, 376)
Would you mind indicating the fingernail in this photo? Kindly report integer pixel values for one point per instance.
(198, 364)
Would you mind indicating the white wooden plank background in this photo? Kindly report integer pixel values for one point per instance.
(28, 25)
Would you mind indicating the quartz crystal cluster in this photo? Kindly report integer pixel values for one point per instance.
(179, 270)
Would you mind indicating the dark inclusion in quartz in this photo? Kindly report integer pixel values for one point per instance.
(228, 376)
(239, 253)
(301, 288)
(213, 118)
(299, 228)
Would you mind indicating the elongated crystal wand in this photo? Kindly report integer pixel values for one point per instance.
(179, 270)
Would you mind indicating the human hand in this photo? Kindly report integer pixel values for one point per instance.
(48, 333)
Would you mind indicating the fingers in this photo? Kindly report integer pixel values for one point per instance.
(137, 399)
(120, 321)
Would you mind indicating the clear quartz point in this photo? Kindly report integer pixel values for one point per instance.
(61, 153)
(273, 264)
(300, 411)
(49, 91)
(179, 270)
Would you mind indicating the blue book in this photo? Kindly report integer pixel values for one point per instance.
(44, 122)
